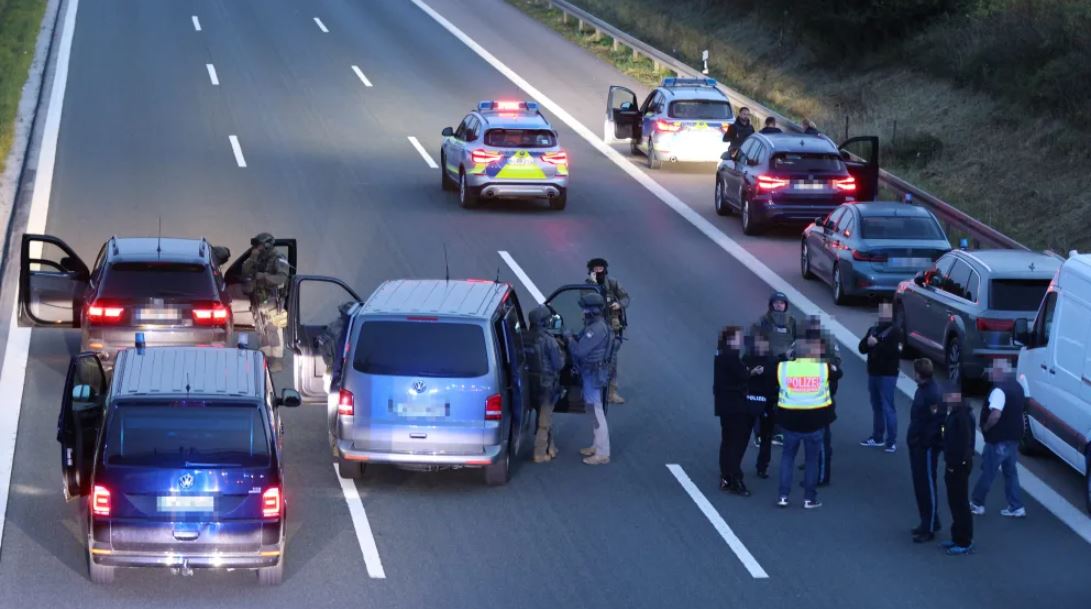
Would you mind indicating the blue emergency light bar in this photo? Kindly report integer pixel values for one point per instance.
(507, 105)
(674, 81)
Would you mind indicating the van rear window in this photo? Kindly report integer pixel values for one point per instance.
(702, 109)
(139, 280)
(1017, 294)
(807, 162)
(421, 348)
(520, 138)
(186, 434)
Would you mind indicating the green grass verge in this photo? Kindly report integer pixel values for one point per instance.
(19, 24)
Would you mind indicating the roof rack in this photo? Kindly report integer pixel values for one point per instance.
(674, 81)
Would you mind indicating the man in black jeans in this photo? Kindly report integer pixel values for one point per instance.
(958, 456)
(925, 441)
(761, 393)
(883, 346)
(729, 382)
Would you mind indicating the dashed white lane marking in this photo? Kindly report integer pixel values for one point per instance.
(523, 277)
(360, 522)
(423, 153)
(196, 23)
(237, 149)
(212, 74)
(718, 522)
(1035, 486)
(13, 375)
(321, 26)
(360, 74)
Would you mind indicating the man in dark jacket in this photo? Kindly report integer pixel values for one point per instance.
(544, 363)
(925, 441)
(777, 326)
(1002, 426)
(958, 456)
(770, 126)
(617, 302)
(883, 346)
(761, 393)
(738, 131)
(729, 385)
(809, 127)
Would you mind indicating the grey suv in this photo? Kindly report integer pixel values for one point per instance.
(962, 310)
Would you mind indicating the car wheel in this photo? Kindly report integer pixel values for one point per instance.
(718, 199)
(750, 226)
(1028, 444)
(272, 576)
(953, 360)
(838, 287)
(467, 198)
(805, 261)
(908, 352)
(99, 574)
(653, 158)
(350, 470)
(445, 180)
(498, 474)
(559, 202)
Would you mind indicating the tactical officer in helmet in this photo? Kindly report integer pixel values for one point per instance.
(778, 326)
(590, 351)
(617, 301)
(545, 362)
(265, 277)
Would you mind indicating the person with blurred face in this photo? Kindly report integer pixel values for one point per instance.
(883, 346)
(1002, 426)
(761, 393)
(925, 442)
(958, 455)
(804, 408)
(730, 377)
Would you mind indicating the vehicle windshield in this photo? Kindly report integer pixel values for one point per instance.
(182, 434)
(520, 138)
(900, 227)
(140, 280)
(807, 162)
(704, 109)
(1017, 294)
(420, 348)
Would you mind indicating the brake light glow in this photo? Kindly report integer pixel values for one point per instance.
(724, 127)
(101, 313)
(995, 325)
(100, 501)
(559, 157)
(771, 183)
(868, 256)
(214, 314)
(346, 404)
(494, 407)
(485, 157)
(845, 184)
(667, 127)
(270, 502)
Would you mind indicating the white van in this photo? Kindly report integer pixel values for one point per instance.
(1055, 369)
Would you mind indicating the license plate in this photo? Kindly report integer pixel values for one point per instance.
(809, 186)
(412, 409)
(156, 315)
(520, 160)
(906, 263)
(185, 503)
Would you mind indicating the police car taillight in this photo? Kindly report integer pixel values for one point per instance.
(559, 157)
(494, 407)
(100, 501)
(104, 313)
(484, 157)
(215, 314)
(345, 403)
(667, 126)
(270, 502)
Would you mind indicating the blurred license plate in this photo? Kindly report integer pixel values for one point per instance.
(420, 410)
(192, 503)
(809, 185)
(907, 263)
(156, 315)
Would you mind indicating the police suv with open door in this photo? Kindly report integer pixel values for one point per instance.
(428, 374)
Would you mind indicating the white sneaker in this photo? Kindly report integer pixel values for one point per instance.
(977, 510)
(596, 460)
(588, 452)
(1016, 513)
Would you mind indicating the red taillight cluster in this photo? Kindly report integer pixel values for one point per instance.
(494, 407)
(771, 183)
(995, 325)
(845, 184)
(210, 314)
(271, 503)
(667, 126)
(346, 404)
(724, 127)
(868, 256)
(105, 313)
(559, 157)
(100, 501)
(482, 156)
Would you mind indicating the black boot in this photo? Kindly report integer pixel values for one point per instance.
(740, 489)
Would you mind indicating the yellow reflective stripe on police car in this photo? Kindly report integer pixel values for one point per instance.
(521, 166)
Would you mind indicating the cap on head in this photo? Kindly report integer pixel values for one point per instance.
(594, 262)
(592, 300)
(262, 239)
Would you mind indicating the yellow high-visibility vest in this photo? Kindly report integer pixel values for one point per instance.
(804, 384)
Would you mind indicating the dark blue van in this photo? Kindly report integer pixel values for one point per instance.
(179, 457)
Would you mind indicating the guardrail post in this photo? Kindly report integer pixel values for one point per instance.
(636, 54)
(564, 16)
(598, 35)
(658, 66)
(615, 45)
(579, 25)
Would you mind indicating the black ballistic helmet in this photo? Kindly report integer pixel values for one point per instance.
(262, 239)
(592, 300)
(778, 297)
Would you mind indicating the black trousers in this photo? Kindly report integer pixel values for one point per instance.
(923, 463)
(957, 479)
(766, 426)
(734, 436)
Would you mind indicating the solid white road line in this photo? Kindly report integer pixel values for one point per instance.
(363, 528)
(718, 522)
(13, 374)
(360, 74)
(237, 149)
(423, 153)
(523, 277)
(1034, 485)
(321, 26)
(196, 23)
(212, 74)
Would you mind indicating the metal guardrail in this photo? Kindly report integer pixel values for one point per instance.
(956, 222)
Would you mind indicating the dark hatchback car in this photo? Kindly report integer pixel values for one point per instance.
(792, 178)
(179, 458)
(867, 249)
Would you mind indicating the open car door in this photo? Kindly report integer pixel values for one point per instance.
(316, 322)
(511, 329)
(564, 303)
(80, 421)
(240, 301)
(861, 156)
(622, 116)
(52, 283)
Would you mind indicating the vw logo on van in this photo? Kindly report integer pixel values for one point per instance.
(419, 386)
(185, 482)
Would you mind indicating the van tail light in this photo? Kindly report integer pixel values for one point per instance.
(100, 501)
(995, 325)
(481, 156)
(845, 184)
(210, 314)
(346, 405)
(868, 256)
(667, 127)
(104, 313)
(771, 183)
(559, 157)
(271, 503)
(494, 407)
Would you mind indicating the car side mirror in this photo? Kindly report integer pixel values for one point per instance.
(1021, 334)
(627, 106)
(447, 132)
(556, 322)
(289, 398)
(83, 393)
(920, 278)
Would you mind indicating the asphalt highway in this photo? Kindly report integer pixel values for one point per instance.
(145, 135)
